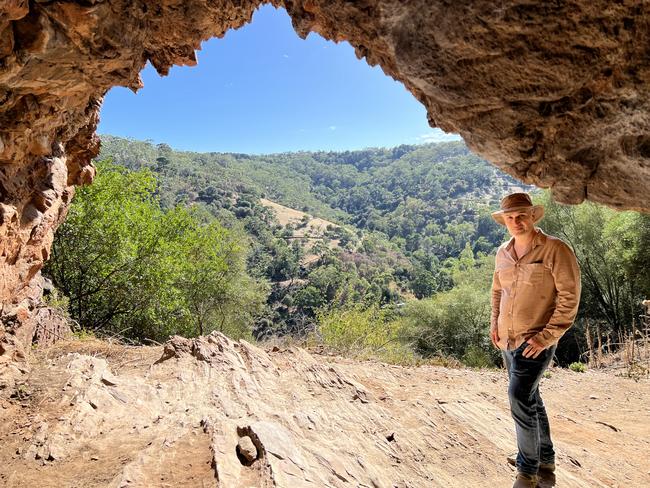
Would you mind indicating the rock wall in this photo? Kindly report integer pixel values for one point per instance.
(555, 94)
(57, 60)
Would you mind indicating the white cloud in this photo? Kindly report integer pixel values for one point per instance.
(285, 55)
(332, 127)
(436, 135)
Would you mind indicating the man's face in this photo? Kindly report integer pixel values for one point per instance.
(519, 223)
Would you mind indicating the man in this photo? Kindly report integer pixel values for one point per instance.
(535, 296)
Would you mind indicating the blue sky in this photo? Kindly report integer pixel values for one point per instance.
(262, 89)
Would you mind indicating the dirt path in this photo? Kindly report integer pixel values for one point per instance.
(92, 414)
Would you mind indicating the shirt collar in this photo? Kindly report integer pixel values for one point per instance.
(538, 240)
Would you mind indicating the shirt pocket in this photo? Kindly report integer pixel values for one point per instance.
(533, 274)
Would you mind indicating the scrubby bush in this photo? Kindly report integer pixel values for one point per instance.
(363, 333)
(478, 357)
(452, 323)
(132, 268)
(578, 367)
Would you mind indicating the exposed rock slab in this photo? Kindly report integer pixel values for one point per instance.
(82, 420)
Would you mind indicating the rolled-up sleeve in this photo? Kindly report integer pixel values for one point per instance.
(496, 300)
(566, 276)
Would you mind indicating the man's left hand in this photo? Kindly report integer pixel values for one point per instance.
(533, 349)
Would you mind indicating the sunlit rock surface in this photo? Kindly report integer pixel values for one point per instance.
(211, 412)
(555, 94)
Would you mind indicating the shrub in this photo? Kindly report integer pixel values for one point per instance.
(578, 367)
(366, 333)
(477, 357)
(452, 323)
(133, 268)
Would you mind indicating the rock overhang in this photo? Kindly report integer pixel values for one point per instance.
(554, 94)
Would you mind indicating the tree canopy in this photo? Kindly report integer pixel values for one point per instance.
(133, 268)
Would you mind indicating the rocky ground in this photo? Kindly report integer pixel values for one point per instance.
(212, 412)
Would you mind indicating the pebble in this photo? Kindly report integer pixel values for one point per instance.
(247, 449)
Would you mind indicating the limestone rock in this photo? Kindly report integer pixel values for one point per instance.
(51, 326)
(127, 420)
(247, 449)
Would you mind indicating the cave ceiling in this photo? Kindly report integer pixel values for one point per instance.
(553, 93)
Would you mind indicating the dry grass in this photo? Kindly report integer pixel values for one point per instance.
(628, 355)
(307, 228)
(316, 346)
(287, 215)
(118, 353)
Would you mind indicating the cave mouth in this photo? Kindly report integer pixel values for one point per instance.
(557, 96)
(261, 90)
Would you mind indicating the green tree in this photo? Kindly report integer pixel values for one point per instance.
(454, 323)
(213, 282)
(106, 269)
(611, 250)
(130, 267)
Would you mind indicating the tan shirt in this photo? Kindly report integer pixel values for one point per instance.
(535, 295)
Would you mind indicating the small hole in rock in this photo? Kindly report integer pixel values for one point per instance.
(242, 458)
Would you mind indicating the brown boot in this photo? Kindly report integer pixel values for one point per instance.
(546, 475)
(525, 480)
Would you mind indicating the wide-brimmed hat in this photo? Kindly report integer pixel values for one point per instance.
(516, 202)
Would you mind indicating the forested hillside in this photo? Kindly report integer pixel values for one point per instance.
(378, 250)
(428, 201)
(408, 192)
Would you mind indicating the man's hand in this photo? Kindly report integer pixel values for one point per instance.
(494, 335)
(533, 349)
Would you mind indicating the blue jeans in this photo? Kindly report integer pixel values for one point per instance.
(527, 408)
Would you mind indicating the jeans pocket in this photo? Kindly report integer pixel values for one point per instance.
(520, 351)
